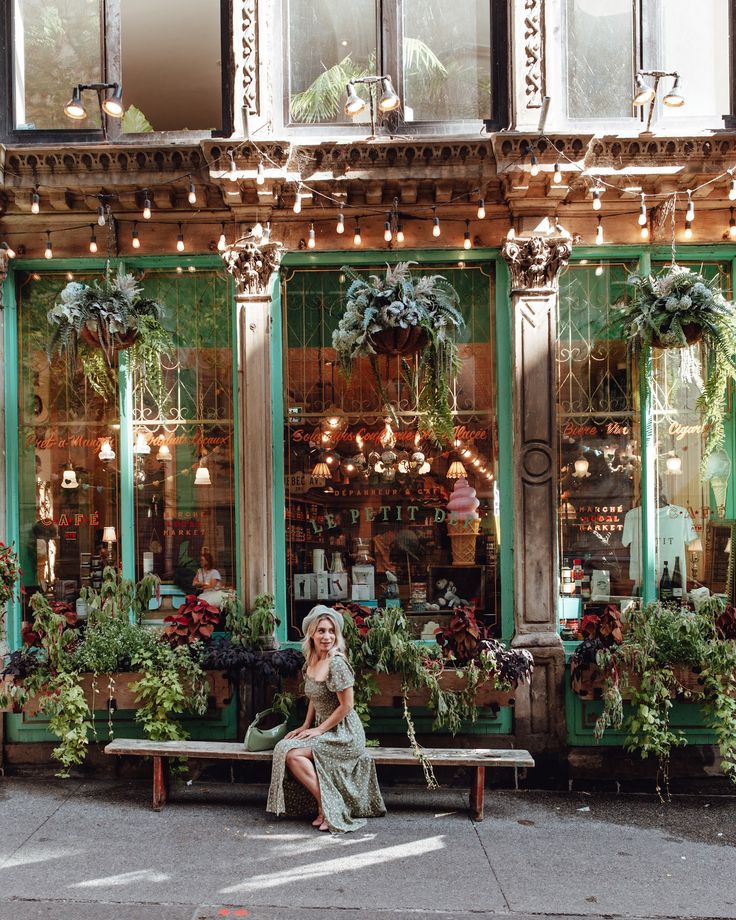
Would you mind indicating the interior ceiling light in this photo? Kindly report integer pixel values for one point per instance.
(106, 451)
(202, 476)
(456, 470)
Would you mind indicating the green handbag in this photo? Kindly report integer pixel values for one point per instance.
(264, 739)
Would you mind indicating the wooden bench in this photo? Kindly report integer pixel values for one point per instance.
(475, 758)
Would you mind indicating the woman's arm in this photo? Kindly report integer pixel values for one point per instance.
(308, 720)
(345, 698)
(212, 582)
(197, 582)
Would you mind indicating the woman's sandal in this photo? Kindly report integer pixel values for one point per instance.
(320, 819)
(324, 826)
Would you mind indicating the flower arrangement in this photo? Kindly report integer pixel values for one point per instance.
(98, 320)
(421, 315)
(677, 309)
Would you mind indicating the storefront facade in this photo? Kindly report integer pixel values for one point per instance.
(585, 460)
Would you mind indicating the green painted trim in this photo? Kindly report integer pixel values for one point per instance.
(504, 413)
(126, 538)
(730, 427)
(237, 352)
(648, 472)
(277, 434)
(12, 511)
(373, 257)
(686, 253)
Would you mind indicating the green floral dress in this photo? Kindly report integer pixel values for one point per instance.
(347, 776)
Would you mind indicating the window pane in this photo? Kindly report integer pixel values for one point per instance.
(690, 541)
(599, 449)
(705, 76)
(172, 75)
(447, 60)
(366, 518)
(177, 512)
(328, 44)
(600, 54)
(57, 44)
(67, 494)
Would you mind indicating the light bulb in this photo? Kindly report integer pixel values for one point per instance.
(436, 226)
(467, 243)
(596, 199)
(731, 191)
(599, 233)
(222, 242)
(599, 269)
(261, 174)
(106, 451)
(257, 230)
(511, 234)
(93, 242)
(690, 213)
(644, 233)
(387, 234)
(180, 240)
(673, 464)
(340, 228)
(192, 196)
(688, 230)
(557, 175)
(298, 203)
(581, 468)
(233, 169)
(49, 253)
(481, 209)
(134, 238)
(732, 225)
(534, 169)
(357, 240)
(642, 212)
(101, 216)
(36, 203)
(147, 208)
(400, 233)
(311, 241)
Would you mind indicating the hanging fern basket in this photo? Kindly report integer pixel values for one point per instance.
(693, 333)
(398, 341)
(119, 341)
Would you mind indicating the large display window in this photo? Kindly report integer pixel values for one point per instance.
(621, 540)
(369, 500)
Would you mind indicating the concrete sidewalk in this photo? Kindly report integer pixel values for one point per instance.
(78, 850)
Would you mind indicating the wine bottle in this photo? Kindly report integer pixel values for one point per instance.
(676, 585)
(665, 585)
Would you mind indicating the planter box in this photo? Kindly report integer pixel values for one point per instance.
(389, 691)
(123, 697)
(591, 682)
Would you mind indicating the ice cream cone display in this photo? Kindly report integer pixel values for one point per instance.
(463, 522)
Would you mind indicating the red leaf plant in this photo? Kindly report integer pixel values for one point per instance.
(194, 620)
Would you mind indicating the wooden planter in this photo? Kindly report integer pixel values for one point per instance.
(398, 341)
(121, 696)
(591, 682)
(389, 691)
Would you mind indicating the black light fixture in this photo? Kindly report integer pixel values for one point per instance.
(75, 107)
(111, 105)
(645, 94)
(388, 101)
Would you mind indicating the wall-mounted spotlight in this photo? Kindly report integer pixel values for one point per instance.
(111, 105)
(387, 102)
(645, 94)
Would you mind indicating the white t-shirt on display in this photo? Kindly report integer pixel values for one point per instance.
(674, 531)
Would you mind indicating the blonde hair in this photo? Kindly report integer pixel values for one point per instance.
(308, 649)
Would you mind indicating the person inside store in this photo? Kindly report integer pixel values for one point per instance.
(323, 763)
(207, 577)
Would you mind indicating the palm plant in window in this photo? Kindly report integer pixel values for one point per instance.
(398, 315)
(96, 321)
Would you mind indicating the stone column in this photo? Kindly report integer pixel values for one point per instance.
(252, 265)
(534, 263)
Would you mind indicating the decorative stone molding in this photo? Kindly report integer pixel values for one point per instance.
(77, 163)
(533, 42)
(252, 263)
(535, 263)
(4, 260)
(249, 37)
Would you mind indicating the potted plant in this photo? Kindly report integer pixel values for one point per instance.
(398, 315)
(677, 309)
(100, 319)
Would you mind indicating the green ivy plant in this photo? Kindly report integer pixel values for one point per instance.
(254, 630)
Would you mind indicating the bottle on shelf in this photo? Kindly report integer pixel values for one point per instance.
(676, 581)
(665, 585)
(578, 573)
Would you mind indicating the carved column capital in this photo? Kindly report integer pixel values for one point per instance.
(535, 262)
(252, 263)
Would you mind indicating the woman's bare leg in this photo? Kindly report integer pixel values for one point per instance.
(301, 765)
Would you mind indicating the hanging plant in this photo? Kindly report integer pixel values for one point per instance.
(677, 309)
(398, 315)
(96, 321)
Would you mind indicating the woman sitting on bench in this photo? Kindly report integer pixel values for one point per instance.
(326, 755)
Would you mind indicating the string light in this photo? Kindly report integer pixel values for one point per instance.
(35, 202)
(8, 250)
(481, 209)
(732, 189)
(135, 240)
(387, 232)
(49, 253)
(643, 211)
(357, 239)
(688, 229)
(298, 201)
(261, 174)
(257, 230)
(266, 231)
(467, 242)
(599, 269)
(732, 225)
(597, 198)
(146, 206)
(557, 175)
(400, 233)
(92, 239)
(180, 240)
(534, 168)
(222, 242)
(311, 242)
(233, 168)
(101, 215)
(340, 228)
(690, 213)
(599, 233)
(192, 197)
(436, 221)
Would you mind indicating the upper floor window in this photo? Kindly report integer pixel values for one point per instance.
(445, 61)
(605, 44)
(173, 79)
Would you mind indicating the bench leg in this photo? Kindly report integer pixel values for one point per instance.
(160, 782)
(477, 793)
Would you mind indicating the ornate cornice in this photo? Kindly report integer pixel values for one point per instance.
(249, 37)
(252, 263)
(533, 41)
(535, 262)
